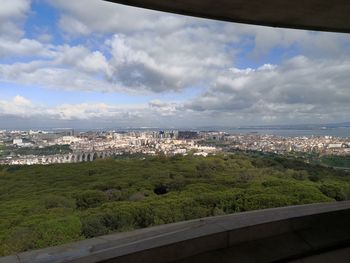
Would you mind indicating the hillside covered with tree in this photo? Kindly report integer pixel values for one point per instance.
(43, 206)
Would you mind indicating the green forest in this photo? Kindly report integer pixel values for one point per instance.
(336, 161)
(49, 150)
(42, 206)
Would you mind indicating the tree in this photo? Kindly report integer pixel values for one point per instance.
(90, 198)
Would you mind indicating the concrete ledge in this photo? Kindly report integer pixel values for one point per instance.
(321, 15)
(256, 236)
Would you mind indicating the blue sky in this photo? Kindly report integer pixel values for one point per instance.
(112, 65)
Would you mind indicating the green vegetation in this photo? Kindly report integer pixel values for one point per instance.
(49, 150)
(2, 149)
(216, 143)
(43, 206)
(336, 161)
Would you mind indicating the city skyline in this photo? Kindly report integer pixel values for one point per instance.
(107, 65)
(69, 146)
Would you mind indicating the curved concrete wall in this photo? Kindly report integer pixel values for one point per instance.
(256, 236)
(321, 15)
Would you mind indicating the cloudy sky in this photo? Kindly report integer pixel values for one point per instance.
(92, 64)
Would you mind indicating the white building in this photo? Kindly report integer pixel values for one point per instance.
(17, 142)
(334, 145)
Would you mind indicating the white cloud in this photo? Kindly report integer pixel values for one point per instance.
(172, 61)
(45, 38)
(264, 39)
(21, 101)
(14, 9)
(166, 109)
(23, 47)
(21, 106)
(113, 48)
(12, 13)
(73, 26)
(18, 106)
(107, 18)
(83, 59)
(299, 90)
(43, 74)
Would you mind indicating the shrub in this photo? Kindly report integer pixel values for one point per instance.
(144, 216)
(55, 201)
(57, 231)
(91, 198)
(300, 175)
(203, 170)
(93, 225)
(262, 201)
(160, 189)
(114, 194)
(19, 239)
(332, 191)
(346, 192)
(314, 177)
(119, 219)
(137, 197)
(217, 211)
(246, 176)
(91, 172)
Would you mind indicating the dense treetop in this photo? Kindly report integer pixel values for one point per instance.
(43, 206)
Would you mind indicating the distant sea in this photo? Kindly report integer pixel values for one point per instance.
(287, 132)
(336, 132)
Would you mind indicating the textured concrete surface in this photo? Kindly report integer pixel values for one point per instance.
(279, 234)
(335, 256)
(324, 15)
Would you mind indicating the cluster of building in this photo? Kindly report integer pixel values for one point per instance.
(322, 145)
(88, 146)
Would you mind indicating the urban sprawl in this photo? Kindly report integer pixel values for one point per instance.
(68, 146)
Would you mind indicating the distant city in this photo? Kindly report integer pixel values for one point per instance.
(71, 146)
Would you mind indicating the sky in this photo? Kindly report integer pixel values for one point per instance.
(94, 64)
